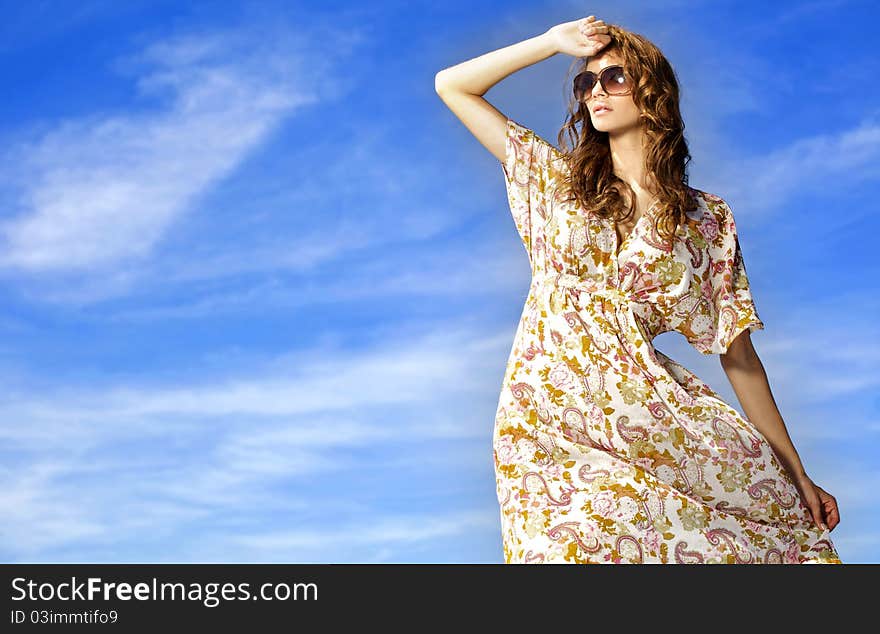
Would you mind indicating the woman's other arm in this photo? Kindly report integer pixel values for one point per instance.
(746, 374)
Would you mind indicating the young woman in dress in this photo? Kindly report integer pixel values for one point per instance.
(606, 450)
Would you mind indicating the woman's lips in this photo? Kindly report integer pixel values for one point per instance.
(601, 110)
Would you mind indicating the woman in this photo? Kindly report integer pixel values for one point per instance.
(606, 450)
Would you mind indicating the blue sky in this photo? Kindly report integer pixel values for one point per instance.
(261, 285)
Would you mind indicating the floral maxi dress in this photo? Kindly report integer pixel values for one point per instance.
(605, 449)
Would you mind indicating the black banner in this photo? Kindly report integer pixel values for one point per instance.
(132, 596)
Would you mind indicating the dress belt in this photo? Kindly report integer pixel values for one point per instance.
(622, 313)
(596, 290)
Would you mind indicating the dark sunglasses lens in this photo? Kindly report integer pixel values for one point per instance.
(615, 81)
(583, 84)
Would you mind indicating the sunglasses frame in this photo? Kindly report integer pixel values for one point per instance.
(603, 76)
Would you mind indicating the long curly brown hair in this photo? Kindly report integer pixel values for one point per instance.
(656, 94)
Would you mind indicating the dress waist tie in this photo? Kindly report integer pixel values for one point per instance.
(620, 304)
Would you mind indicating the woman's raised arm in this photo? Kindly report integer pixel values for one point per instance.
(461, 87)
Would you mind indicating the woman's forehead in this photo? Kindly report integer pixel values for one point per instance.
(598, 63)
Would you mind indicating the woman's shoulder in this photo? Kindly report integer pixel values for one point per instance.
(713, 218)
(544, 150)
(710, 200)
(709, 206)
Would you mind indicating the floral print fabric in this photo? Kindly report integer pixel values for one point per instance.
(605, 449)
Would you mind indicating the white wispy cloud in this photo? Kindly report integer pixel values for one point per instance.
(307, 381)
(211, 447)
(106, 188)
(375, 538)
(763, 184)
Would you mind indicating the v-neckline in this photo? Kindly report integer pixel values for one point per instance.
(620, 244)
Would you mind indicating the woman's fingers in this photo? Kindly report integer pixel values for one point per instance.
(594, 31)
(816, 511)
(810, 494)
(590, 24)
(831, 512)
(829, 507)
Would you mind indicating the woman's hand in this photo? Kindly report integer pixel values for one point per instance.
(822, 504)
(581, 38)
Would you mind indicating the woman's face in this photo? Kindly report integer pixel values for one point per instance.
(623, 113)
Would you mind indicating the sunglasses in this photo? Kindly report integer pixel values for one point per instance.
(614, 81)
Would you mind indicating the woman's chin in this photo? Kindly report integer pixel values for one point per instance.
(616, 127)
